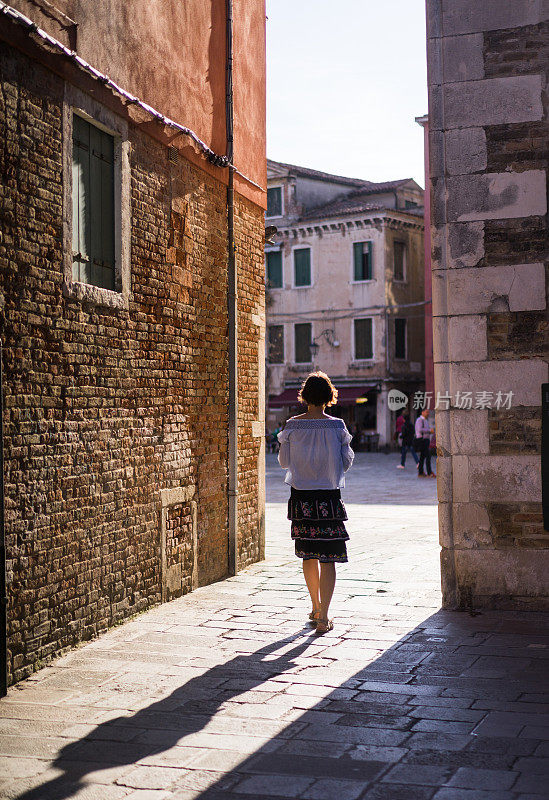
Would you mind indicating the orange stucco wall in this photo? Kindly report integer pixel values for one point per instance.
(171, 54)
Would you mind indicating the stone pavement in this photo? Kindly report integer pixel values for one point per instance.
(226, 694)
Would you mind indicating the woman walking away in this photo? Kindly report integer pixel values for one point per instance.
(315, 451)
(408, 436)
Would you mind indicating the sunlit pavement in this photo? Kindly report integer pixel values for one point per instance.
(227, 693)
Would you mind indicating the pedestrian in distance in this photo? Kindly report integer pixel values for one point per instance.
(399, 424)
(408, 435)
(315, 451)
(422, 444)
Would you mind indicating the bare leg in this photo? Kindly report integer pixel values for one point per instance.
(327, 584)
(312, 579)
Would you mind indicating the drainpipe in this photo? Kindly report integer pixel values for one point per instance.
(232, 465)
(3, 598)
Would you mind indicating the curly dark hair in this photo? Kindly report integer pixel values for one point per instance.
(318, 390)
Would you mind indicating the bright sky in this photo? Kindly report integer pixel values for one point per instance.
(345, 81)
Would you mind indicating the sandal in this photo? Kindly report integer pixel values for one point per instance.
(324, 625)
(313, 617)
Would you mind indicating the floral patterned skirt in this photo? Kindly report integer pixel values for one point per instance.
(318, 524)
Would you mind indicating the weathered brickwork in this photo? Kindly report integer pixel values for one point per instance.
(106, 407)
(518, 334)
(517, 147)
(515, 430)
(517, 525)
(251, 282)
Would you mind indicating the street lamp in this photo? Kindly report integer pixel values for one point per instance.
(314, 347)
(329, 335)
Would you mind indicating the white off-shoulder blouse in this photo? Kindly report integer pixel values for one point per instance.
(315, 453)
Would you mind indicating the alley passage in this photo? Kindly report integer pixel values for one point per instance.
(227, 693)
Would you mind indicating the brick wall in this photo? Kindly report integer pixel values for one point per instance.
(105, 407)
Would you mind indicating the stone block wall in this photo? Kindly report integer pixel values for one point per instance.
(488, 106)
(106, 408)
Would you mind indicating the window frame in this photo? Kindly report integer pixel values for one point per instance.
(366, 280)
(277, 216)
(353, 339)
(77, 103)
(404, 261)
(302, 285)
(276, 363)
(274, 250)
(405, 356)
(295, 361)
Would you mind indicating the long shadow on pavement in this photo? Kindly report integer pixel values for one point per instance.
(453, 711)
(458, 709)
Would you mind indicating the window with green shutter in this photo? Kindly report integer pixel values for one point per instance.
(399, 261)
(400, 338)
(363, 339)
(302, 266)
(274, 201)
(302, 341)
(275, 344)
(274, 269)
(362, 258)
(92, 205)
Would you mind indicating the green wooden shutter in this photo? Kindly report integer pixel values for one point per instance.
(274, 269)
(302, 335)
(362, 259)
(302, 266)
(370, 265)
(363, 339)
(400, 338)
(81, 231)
(93, 205)
(358, 248)
(107, 210)
(275, 352)
(274, 201)
(102, 208)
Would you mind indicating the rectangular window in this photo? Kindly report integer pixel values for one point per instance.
(303, 338)
(274, 269)
(399, 261)
(362, 258)
(302, 266)
(400, 338)
(92, 204)
(274, 202)
(363, 339)
(275, 344)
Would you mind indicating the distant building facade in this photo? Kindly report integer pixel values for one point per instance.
(115, 307)
(345, 292)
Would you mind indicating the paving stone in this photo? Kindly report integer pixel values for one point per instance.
(502, 744)
(533, 766)
(459, 758)
(533, 784)
(444, 726)
(472, 794)
(275, 785)
(320, 767)
(489, 779)
(330, 789)
(393, 791)
(440, 741)
(452, 714)
(416, 774)
(150, 777)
